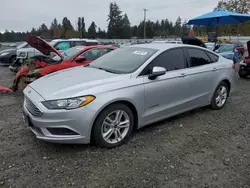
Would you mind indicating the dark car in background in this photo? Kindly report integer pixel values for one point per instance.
(8, 56)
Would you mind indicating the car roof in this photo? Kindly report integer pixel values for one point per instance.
(163, 46)
(74, 39)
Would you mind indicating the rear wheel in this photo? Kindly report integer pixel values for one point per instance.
(220, 96)
(113, 126)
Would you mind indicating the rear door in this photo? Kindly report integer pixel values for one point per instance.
(203, 75)
(167, 94)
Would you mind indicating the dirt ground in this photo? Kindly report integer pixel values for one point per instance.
(202, 148)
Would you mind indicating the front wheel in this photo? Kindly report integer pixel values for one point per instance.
(113, 126)
(220, 96)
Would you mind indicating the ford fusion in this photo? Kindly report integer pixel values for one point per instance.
(126, 89)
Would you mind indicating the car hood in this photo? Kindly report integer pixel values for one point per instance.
(73, 82)
(12, 50)
(41, 45)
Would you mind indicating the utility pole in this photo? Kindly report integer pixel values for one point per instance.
(144, 33)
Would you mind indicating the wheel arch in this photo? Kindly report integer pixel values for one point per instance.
(126, 102)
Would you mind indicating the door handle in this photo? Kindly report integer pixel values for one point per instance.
(214, 69)
(183, 74)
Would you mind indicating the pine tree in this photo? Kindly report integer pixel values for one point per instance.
(92, 30)
(115, 21)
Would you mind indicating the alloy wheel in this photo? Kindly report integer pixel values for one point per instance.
(221, 96)
(115, 126)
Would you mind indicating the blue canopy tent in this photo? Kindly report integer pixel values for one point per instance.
(219, 17)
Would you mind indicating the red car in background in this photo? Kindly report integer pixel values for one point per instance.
(76, 56)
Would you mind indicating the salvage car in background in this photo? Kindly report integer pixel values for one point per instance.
(228, 51)
(244, 66)
(76, 56)
(124, 90)
(8, 56)
(58, 44)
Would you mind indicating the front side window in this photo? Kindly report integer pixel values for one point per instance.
(214, 58)
(198, 57)
(171, 60)
(92, 54)
(124, 60)
(63, 45)
(79, 43)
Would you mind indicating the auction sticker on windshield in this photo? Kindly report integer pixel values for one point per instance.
(140, 53)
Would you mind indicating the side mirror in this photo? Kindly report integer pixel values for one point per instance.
(157, 71)
(80, 59)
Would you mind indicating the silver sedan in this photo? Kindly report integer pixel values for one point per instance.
(125, 90)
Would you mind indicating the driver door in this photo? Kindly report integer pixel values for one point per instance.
(89, 55)
(168, 94)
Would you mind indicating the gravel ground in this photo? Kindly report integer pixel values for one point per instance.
(202, 148)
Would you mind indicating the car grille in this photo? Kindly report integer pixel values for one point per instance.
(32, 108)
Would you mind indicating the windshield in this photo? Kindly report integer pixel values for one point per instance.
(123, 60)
(70, 53)
(22, 45)
(226, 48)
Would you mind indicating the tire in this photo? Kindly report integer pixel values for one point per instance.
(219, 103)
(100, 129)
(243, 74)
(12, 59)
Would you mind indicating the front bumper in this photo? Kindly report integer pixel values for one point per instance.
(78, 121)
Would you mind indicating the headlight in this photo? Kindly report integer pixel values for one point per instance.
(5, 53)
(68, 104)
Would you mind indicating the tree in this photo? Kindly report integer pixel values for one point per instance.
(67, 26)
(115, 21)
(92, 30)
(178, 27)
(54, 28)
(83, 28)
(126, 28)
(79, 25)
(241, 6)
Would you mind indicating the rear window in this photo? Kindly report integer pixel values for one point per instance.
(214, 58)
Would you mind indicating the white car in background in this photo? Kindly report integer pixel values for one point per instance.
(168, 41)
(59, 44)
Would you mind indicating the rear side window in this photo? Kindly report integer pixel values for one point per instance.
(198, 57)
(91, 43)
(63, 45)
(171, 60)
(214, 58)
(79, 43)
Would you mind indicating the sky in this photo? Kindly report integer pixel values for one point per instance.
(22, 15)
